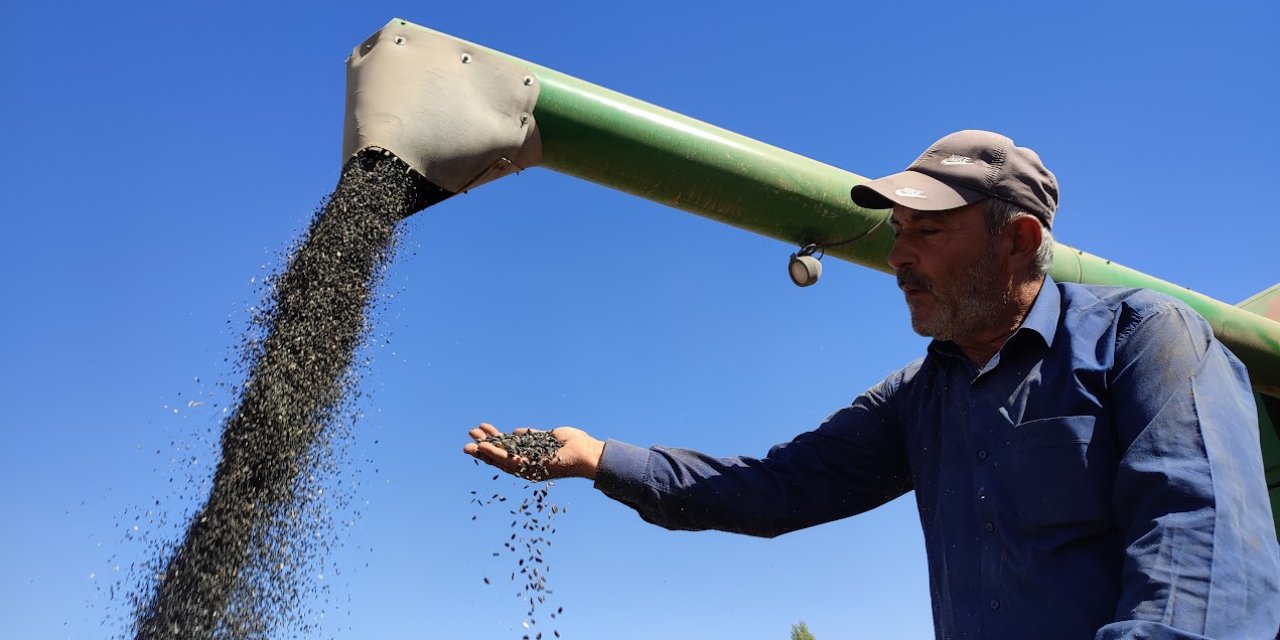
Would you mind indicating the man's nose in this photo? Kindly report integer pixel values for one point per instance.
(900, 255)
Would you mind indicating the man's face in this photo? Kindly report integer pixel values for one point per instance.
(955, 283)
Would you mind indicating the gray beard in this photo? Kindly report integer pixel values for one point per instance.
(975, 302)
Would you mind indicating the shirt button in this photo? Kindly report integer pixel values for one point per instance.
(995, 604)
(982, 454)
(989, 527)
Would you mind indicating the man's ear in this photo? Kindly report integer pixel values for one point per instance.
(1024, 234)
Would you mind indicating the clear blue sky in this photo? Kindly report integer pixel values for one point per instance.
(160, 156)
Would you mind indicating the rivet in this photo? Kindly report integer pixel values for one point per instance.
(524, 118)
(528, 81)
(398, 39)
(466, 57)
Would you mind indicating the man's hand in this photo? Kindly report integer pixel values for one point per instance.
(579, 455)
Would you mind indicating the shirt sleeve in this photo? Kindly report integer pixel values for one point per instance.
(853, 462)
(1201, 558)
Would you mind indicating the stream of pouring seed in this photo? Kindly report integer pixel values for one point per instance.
(235, 574)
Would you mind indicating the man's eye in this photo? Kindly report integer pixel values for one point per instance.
(929, 232)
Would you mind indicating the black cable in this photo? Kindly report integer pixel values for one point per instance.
(809, 249)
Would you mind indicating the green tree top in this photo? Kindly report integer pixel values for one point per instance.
(800, 631)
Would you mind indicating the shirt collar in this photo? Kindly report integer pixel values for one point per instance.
(1044, 314)
(1042, 319)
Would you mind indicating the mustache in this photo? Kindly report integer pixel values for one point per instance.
(913, 280)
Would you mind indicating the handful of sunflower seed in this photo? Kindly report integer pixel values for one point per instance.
(534, 449)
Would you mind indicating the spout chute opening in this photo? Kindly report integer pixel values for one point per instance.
(424, 192)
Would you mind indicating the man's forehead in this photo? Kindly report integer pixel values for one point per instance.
(903, 214)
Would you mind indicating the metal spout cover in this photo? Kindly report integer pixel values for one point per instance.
(457, 113)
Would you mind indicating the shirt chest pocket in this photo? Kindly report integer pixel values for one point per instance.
(1065, 471)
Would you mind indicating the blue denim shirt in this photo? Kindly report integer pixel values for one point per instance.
(1100, 477)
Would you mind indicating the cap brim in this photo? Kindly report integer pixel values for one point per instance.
(913, 190)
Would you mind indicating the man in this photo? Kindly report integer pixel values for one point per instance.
(1085, 459)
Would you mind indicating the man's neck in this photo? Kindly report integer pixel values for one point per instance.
(980, 347)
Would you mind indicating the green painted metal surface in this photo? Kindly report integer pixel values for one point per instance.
(632, 146)
(1264, 303)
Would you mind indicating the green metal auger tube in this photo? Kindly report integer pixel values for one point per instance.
(462, 115)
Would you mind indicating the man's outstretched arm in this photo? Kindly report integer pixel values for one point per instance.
(854, 462)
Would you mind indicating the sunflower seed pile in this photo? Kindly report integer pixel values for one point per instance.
(534, 449)
(246, 564)
(532, 526)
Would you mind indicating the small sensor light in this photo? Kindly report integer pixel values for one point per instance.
(804, 268)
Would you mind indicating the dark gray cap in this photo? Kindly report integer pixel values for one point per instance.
(963, 168)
